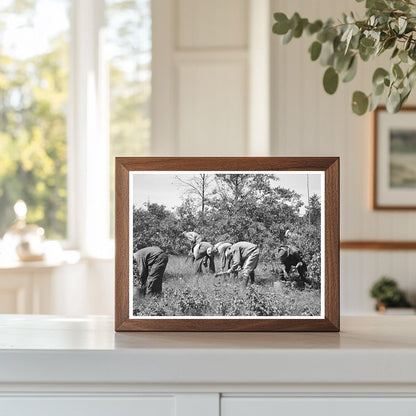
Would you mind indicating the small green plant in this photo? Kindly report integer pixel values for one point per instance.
(389, 26)
(387, 292)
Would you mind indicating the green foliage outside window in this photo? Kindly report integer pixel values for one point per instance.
(33, 100)
(129, 43)
(34, 103)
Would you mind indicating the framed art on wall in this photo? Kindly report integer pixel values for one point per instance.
(394, 177)
(227, 244)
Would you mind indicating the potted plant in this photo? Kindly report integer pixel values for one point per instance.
(389, 27)
(387, 294)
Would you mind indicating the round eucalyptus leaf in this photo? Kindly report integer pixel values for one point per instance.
(400, 5)
(403, 56)
(397, 71)
(314, 27)
(367, 42)
(379, 75)
(374, 102)
(330, 80)
(288, 37)
(315, 50)
(298, 30)
(294, 20)
(322, 36)
(351, 71)
(327, 53)
(389, 43)
(395, 52)
(341, 62)
(393, 101)
(281, 27)
(403, 96)
(359, 103)
(376, 4)
(366, 53)
(378, 89)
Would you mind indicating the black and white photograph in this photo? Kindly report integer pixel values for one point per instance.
(226, 244)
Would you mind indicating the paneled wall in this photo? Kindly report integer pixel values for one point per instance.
(305, 121)
(201, 75)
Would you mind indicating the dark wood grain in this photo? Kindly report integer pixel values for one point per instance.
(332, 226)
(330, 165)
(121, 244)
(376, 205)
(378, 245)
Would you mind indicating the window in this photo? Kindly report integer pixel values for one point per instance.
(129, 45)
(33, 102)
(74, 93)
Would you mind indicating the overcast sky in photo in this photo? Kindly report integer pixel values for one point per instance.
(164, 188)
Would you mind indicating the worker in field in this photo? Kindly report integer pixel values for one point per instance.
(204, 256)
(220, 250)
(244, 256)
(289, 256)
(151, 264)
(291, 237)
(193, 238)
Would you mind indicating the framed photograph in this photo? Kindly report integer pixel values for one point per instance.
(394, 179)
(227, 244)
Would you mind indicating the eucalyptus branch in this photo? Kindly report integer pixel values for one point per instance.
(390, 25)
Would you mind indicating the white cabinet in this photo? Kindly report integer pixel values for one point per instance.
(87, 406)
(269, 406)
(38, 287)
(51, 365)
(67, 286)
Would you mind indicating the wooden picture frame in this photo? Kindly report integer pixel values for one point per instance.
(394, 146)
(280, 168)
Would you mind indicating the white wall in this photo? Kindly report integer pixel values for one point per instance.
(200, 77)
(308, 122)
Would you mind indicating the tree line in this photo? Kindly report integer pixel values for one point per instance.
(232, 207)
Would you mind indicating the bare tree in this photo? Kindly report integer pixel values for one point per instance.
(198, 186)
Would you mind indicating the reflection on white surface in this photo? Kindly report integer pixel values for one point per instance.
(54, 256)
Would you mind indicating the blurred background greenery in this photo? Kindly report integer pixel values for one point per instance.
(34, 91)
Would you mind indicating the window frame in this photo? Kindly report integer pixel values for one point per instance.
(87, 133)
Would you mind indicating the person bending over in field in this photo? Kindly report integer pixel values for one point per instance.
(193, 239)
(220, 249)
(244, 256)
(288, 257)
(204, 256)
(151, 264)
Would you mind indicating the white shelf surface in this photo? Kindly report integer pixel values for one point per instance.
(53, 349)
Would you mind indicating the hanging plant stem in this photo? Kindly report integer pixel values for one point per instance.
(389, 26)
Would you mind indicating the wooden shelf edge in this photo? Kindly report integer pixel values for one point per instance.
(378, 245)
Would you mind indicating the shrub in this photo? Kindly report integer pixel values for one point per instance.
(386, 291)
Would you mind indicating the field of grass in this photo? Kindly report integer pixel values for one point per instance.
(185, 294)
